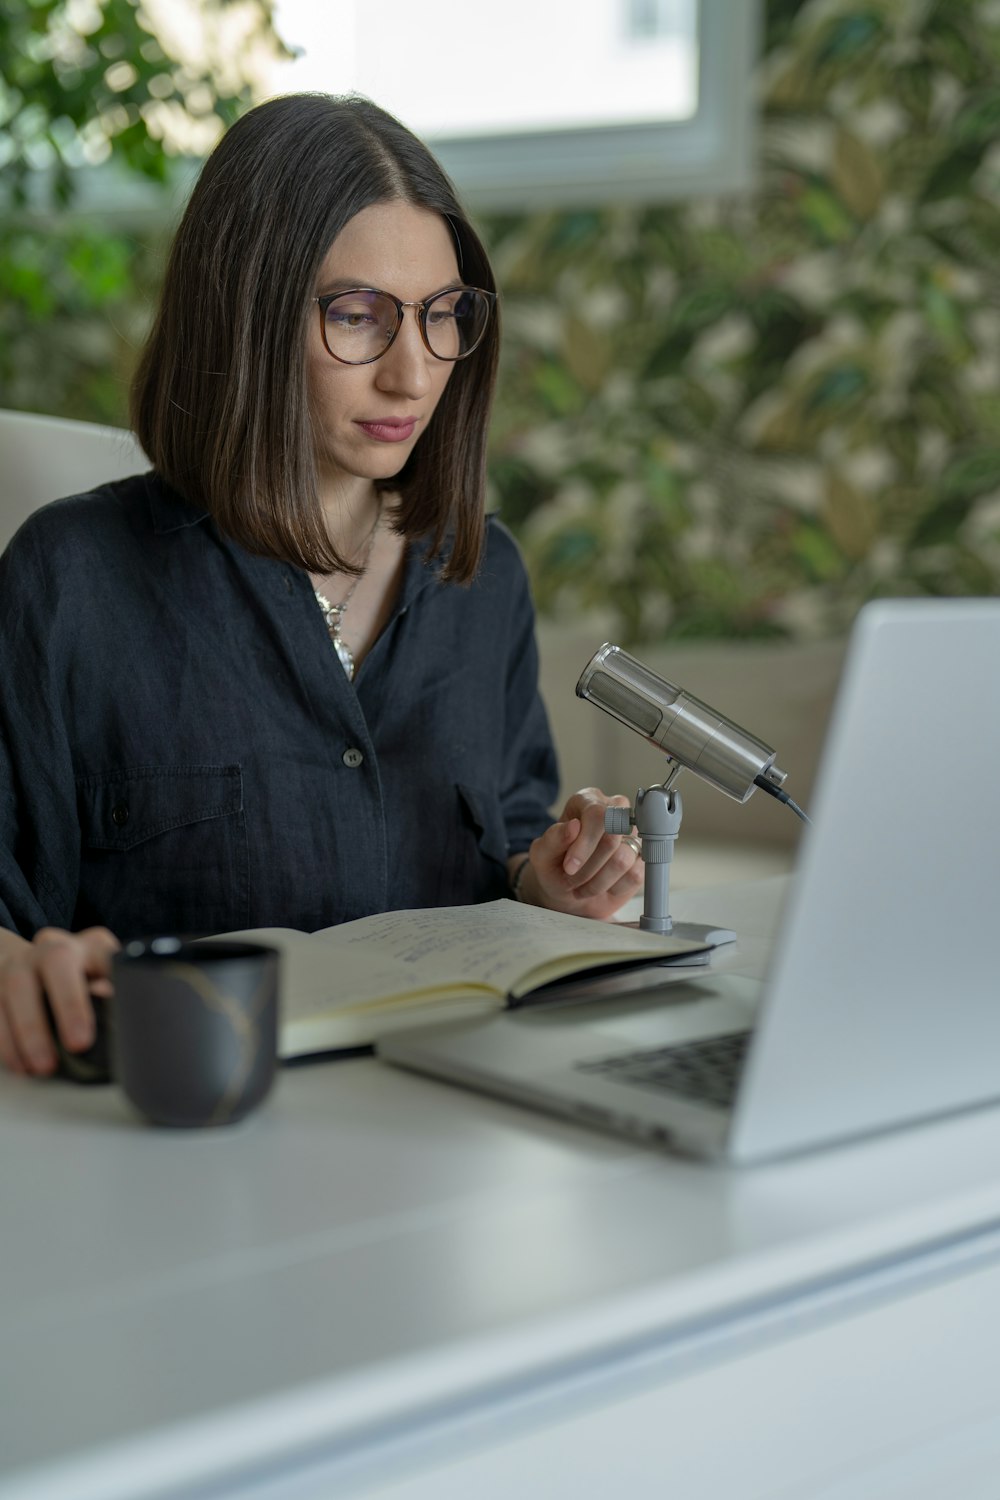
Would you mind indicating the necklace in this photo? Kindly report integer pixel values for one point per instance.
(334, 613)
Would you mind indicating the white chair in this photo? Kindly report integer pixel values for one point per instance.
(44, 458)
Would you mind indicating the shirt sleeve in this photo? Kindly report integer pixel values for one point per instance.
(39, 828)
(530, 772)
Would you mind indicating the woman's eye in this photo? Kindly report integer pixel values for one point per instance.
(348, 317)
(445, 311)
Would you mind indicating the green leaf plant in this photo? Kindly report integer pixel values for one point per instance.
(99, 116)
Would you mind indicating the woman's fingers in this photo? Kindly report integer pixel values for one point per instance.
(615, 870)
(64, 969)
(25, 1014)
(99, 947)
(10, 1055)
(596, 860)
(592, 846)
(577, 866)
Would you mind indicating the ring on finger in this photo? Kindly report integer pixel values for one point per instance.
(633, 844)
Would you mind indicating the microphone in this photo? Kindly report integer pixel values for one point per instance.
(687, 730)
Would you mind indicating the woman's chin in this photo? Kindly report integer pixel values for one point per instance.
(374, 467)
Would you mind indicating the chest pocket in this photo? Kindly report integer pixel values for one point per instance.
(163, 849)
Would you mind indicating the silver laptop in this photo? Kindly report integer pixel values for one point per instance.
(881, 1001)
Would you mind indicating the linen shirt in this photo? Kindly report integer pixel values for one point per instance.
(181, 750)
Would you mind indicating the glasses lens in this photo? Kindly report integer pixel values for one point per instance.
(456, 321)
(359, 326)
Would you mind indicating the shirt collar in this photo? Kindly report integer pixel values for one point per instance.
(171, 512)
(168, 508)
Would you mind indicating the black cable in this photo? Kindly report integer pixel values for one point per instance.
(775, 791)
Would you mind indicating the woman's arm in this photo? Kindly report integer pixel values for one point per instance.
(570, 864)
(46, 981)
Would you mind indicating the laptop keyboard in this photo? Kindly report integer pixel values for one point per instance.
(707, 1070)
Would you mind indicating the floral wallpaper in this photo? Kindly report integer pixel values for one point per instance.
(745, 417)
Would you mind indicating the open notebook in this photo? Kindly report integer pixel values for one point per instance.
(882, 1001)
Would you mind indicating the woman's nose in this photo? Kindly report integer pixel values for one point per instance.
(404, 366)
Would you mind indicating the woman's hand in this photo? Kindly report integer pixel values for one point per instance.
(65, 968)
(578, 868)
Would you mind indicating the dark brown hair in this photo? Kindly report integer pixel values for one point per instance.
(219, 400)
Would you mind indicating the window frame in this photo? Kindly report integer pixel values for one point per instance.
(710, 153)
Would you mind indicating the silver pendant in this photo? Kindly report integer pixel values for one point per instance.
(333, 614)
(344, 652)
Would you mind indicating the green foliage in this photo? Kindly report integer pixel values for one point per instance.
(747, 417)
(84, 80)
(87, 89)
(70, 319)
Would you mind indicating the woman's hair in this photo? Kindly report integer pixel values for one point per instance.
(220, 401)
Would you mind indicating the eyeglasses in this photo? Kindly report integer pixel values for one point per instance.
(359, 326)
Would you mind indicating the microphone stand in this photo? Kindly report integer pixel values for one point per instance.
(657, 819)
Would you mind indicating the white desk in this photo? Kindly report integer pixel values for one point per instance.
(382, 1285)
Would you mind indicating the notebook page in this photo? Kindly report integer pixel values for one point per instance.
(504, 944)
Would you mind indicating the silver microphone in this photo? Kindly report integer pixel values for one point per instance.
(687, 730)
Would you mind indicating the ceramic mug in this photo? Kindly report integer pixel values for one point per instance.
(194, 1028)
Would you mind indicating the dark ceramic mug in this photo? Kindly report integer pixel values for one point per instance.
(194, 1028)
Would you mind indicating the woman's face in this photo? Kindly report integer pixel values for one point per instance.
(369, 417)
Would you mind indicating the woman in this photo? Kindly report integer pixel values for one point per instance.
(288, 677)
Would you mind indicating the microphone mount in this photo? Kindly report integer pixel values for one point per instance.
(656, 815)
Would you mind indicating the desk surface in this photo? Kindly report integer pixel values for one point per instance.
(374, 1249)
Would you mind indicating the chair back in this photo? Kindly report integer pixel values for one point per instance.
(45, 458)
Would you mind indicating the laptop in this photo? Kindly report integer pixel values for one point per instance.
(880, 1002)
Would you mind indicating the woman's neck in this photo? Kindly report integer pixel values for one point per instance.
(351, 507)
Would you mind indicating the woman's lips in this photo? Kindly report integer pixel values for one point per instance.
(390, 429)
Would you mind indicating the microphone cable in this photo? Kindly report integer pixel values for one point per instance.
(775, 791)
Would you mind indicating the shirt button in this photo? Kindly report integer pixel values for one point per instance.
(352, 757)
(119, 814)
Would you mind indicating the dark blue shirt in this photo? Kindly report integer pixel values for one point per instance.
(181, 750)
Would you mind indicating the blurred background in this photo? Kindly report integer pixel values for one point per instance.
(735, 414)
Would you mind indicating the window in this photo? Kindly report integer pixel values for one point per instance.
(552, 102)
